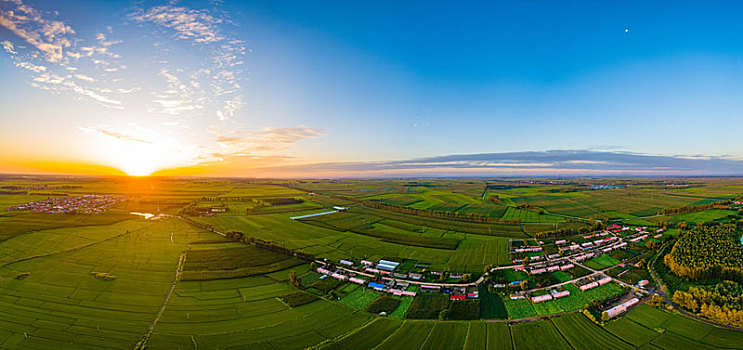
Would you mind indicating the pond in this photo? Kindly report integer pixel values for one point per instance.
(145, 215)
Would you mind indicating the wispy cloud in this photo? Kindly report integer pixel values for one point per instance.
(187, 24)
(108, 132)
(53, 48)
(48, 36)
(198, 88)
(263, 143)
(213, 88)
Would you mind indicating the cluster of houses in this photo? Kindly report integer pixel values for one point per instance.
(621, 308)
(398, 285)
(542, 268)
(554, 293)
(88, 204)
(592, 282)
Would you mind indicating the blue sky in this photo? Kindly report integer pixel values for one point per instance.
(242, 85)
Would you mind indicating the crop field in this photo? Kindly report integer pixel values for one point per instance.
(102, 281)
(601, 262)
(491, 305)
(360, 298)
(537, 335)
(581, 333)
(473, 252)
(230, 260)
(427, 306)
(530, 216)
(519, 308)
(700, 216)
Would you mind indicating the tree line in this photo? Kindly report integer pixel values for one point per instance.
(722, 303)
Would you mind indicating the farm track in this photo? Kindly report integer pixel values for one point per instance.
(66, 250)
(142, 344)
(662, 292)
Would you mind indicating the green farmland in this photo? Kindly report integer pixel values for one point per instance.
(117, 281)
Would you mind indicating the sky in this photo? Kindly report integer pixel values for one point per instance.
(355, 88)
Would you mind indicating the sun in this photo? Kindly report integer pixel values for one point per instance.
(137, 160)
(137, 170)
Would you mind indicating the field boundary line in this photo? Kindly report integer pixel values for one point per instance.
(142, 343)
(343, 336)
(562, 335)
(391, 334)
(66, 250)
(428, 336)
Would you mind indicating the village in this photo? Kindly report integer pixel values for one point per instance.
(567, 267)
(87, 204)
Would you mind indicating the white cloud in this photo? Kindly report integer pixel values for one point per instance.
(30, 66)
(196, 25)
(8, 46)
(53, 44)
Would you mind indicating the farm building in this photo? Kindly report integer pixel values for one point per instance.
(604, 281)
(613, 312)
(346, 262)
(356, 280)
(428, 288)
(377, 286)
(566, 267)
(559, 294)
(387, 265)
(587, 283)
(541, 298)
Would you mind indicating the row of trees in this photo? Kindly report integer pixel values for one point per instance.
(707, 251)
(695, 208)
(722, 303)
(566, 232)
(238, 236)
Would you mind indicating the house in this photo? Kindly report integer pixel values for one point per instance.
(415, 276)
